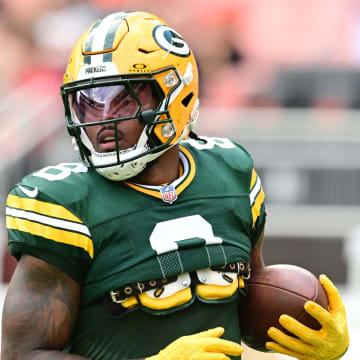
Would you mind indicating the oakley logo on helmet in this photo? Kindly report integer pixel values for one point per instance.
(171, 41)
(139, 68)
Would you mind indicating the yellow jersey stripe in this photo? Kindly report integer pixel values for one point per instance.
(151, 192)
(48, 232)
(255, 209)
(41, 207)
(255, 190)
(253, 178)
(46, 220)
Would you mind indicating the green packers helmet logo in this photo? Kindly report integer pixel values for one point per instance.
(171, 41)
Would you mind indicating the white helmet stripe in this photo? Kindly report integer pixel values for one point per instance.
(101, 37)
(99, 34)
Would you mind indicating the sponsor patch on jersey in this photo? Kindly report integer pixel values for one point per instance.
(168, 193)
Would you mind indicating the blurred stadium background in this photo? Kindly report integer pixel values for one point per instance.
(281, 77)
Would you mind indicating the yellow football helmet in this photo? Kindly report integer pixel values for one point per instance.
(118, 55)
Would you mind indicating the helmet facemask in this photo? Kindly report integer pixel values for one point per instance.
(96, 102)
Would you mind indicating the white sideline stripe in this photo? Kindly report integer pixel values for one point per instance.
(63, 224)
(255, 190)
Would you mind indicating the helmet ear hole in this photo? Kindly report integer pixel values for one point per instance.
(186, 100)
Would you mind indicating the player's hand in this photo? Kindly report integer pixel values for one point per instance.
(328, 343)
(205, 345)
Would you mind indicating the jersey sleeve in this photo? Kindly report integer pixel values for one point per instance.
(256, 194)
(40, 227)
(257, 203)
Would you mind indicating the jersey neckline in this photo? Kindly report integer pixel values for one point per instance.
(187, 174)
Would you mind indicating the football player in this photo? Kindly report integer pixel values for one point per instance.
(142, 249)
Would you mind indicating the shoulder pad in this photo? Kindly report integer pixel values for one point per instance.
(230, 151)
(64, 183)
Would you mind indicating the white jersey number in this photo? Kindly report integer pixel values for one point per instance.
(61, 171)
(211, 142)
(168, 235)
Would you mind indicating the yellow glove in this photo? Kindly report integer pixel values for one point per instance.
(205, 345)
(328, 343)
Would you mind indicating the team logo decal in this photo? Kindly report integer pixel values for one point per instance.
(171, 41)
(168, 193)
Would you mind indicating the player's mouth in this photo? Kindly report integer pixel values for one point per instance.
(106, 140)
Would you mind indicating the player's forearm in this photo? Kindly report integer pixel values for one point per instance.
(39, 312)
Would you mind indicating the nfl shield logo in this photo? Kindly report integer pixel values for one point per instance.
(168, 193)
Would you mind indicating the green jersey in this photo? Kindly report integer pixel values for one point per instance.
(154, 262)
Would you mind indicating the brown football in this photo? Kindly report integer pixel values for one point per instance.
(275, 290)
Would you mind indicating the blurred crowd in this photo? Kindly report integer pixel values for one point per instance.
(250, 53)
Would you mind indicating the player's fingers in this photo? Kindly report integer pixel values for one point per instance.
(225, 347)
(289, 342)
(297, 328)
(319, 313)
(215, 332)
(332, 292)
(273, 346)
